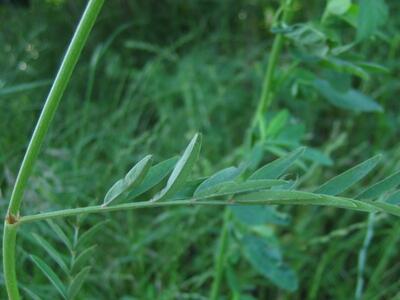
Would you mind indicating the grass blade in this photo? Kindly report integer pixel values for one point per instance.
(345, 180)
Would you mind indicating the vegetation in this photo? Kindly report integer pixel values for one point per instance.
(290, 189)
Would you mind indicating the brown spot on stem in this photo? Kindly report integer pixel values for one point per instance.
(11, 219)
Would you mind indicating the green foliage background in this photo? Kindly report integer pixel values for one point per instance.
(153, 74)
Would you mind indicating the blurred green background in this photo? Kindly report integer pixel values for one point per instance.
(155, 72)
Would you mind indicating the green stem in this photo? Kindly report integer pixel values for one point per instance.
(221, 257)
(63, 76)
(10, 277)
(362, 257)
(267, 91)
(274, 198)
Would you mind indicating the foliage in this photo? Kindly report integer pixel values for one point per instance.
(151, 76)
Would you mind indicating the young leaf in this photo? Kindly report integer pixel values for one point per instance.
(181, 170)
(265, 257)
(224, 175)
(372, 15)
(132, 179)
(345, 180)
(48, 272)
(155, 175)
(77, 283)
(53, 253)
(381, 187)
(350, 99)
(277, 167)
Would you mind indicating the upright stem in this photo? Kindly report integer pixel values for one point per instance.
(267, 91)
(10, 276)
(267, 94)
(63, 76)
(220, 257)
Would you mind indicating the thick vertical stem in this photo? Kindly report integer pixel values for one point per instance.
(9, 238)
(63, 76)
